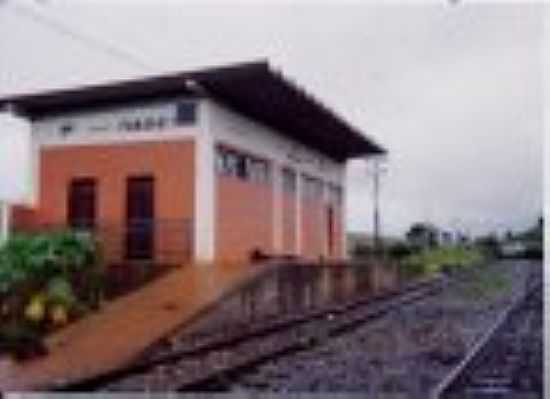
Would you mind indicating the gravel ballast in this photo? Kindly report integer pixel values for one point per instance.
(406, 352)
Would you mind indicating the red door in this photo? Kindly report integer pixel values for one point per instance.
(140, 218)
(81, 209)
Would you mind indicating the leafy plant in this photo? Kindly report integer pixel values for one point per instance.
(60, 292)
(44, 279)
(71, 252)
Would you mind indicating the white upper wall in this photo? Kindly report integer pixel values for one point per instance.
(233, 129)
(16, 168)
(111, 125)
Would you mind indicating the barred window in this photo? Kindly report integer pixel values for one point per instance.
(227, 163)
(307, 187)
(335, 194)
(312, 188)
(186, 113)
(66, 129)
(317, 188)
(242, 166)
(232, 163)
(289, 180)
(260, 171)
(339, 195)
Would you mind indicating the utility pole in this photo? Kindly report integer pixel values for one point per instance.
(376, 216)
(377, 170)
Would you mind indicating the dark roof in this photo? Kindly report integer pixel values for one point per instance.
(252, 89)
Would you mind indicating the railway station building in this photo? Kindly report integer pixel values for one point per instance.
(222, 163)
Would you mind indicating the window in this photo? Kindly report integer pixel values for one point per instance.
(242, 166)
(335, 194)
(221, 162)
(124, 125)
(312, 188)
(339, 196)
(258, 171)
(232, 163)
(317, 188)
(307, 184)
(99, 128)
(162, 122)
(289, 180)
(263, 172)
(185, 113)
(226, 162)
(66, 129)
(150, 123)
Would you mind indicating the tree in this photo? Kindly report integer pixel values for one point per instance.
(489, 242)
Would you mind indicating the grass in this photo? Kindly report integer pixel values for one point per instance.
(436, 260)
(485, 282)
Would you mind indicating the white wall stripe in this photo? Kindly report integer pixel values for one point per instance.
(205, 189)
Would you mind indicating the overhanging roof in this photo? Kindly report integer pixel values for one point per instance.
(252, 89)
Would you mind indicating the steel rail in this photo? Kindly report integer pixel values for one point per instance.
(337, 319)
(465, 365)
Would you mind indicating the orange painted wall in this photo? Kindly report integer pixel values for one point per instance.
(314, 228)
(171, 163)
(23, 217)
(244, 218)
(244, 214)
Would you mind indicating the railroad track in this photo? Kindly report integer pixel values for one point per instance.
(212, 363)
(508, 360)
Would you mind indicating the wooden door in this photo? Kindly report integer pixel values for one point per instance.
(140, 218)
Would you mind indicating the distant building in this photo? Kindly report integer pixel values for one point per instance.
(428, 234)
(422, 235)
(512, 248)
(215, 164)
(359, 243)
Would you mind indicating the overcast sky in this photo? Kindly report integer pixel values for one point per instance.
(454, 92)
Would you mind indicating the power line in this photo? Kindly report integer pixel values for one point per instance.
(90, 41)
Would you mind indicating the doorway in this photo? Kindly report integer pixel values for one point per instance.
(81, 201)
(140, 218)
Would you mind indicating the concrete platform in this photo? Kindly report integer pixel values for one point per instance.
(122, 329)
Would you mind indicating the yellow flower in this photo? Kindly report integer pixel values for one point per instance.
(36, 308)
(58, 315)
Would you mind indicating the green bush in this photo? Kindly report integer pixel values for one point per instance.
(399, 250)
(60, 291)
(435, 260)
(41, 282)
